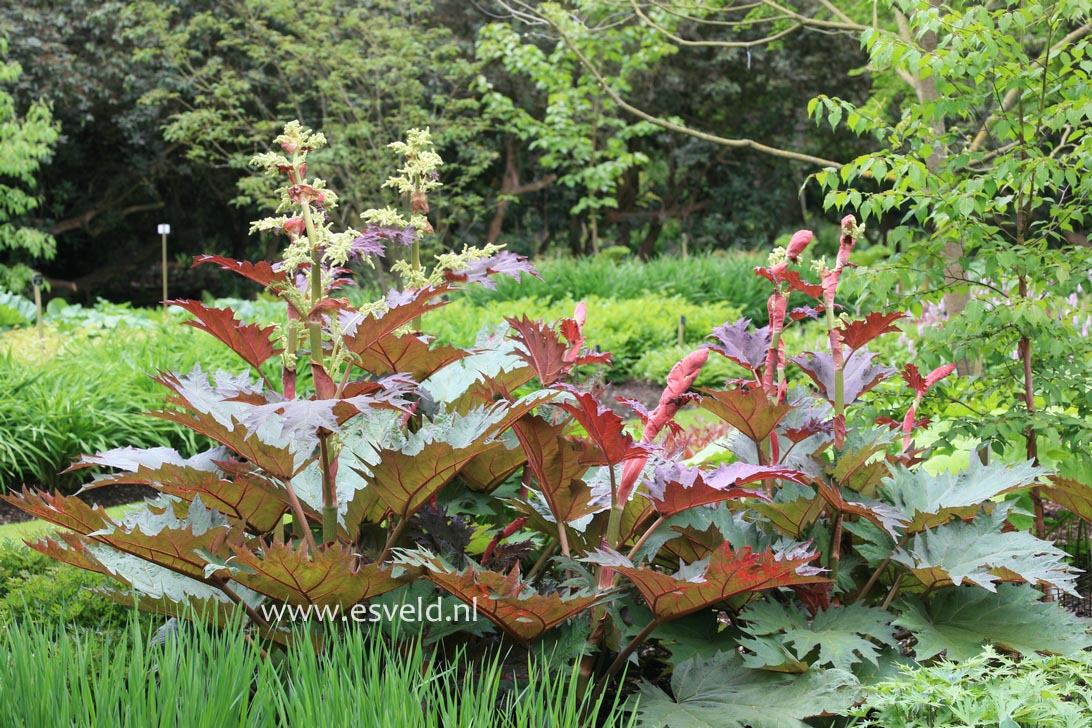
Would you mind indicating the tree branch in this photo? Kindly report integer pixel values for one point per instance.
(669, 125)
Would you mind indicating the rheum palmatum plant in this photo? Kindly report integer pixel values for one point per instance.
(361, 461)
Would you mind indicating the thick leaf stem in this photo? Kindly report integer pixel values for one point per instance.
(644, 537)
(836, 548)
(879, 570)
(547, 552)
(222, 585)
(614, 522)
(329, 491)
(392, 540)
(299, 517)
(620, 660)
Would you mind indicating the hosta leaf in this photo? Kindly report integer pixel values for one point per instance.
(250, 341)
(726, 574)
(261, 273)
(934, 499)
(410, 354)
(749, 411)
(743, 346)
(503, 599)
(856, 334)
(334, 575)
(719, 692)
(980, 553)
(859, 373)
(676, 488)
(961, 621)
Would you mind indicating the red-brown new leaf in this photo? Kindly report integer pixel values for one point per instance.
(507, 602)
(332, 576)
(604, 428)
(729, 573)
(250, 341)
(261, 272)
(858, 333)
(749, 411)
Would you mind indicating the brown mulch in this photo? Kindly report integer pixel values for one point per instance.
(107, 496)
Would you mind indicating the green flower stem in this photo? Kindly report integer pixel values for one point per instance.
(329, 492)
(313, 327)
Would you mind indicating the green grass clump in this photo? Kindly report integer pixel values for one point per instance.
(706, 280)
(89, 394)
(627, 328)
(200, 677)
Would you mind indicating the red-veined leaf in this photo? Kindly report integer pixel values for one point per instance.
(676, 488)
(727, 574)
(261, 272)
(410, 354)
(558, 465)
(332, 576)
(604, 428)
(506, 601)
(858, 333)
(250, 341)
(749, 411)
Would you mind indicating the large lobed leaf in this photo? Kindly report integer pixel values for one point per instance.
(981, 553)
(503, 599)
(959, 622)
(930, 500)
(333, 576)
(859, 374)
(840, 636)
(724, 574)
(719, 692)
(749, 411)
(676, 488)
(250, 341)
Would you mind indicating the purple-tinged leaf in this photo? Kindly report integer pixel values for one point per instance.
(859, 374)
(504, 262)
(743, 346)
(676, 488)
